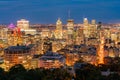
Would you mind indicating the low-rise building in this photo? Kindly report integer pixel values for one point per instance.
(17, 55)
(51, 60)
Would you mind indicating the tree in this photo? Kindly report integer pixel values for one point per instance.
(114, 76)
(18, 68)
(17, 72)
(88, 72)
(3, 75)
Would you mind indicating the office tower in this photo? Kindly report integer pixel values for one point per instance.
(93, 22)
(70, 31)
(70, 26)
(23, 24)
(59, 31)
(93, 29)
(86, 28)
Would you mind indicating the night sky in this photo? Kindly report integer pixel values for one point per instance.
(48, 11)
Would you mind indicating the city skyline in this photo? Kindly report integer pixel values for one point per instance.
(46, 12)
(58, 46)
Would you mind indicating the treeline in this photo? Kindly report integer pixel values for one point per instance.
(91, 72)
(87, 72)
(18, 72)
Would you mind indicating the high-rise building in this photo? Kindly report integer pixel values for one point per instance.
(70, 31)
(85, 21)
(93, 29)
(59, 31)
(86, 28)
(70, 26)
(90, 29)
(23, 24)
(93, 22)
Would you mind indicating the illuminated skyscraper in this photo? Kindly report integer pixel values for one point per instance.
(58, 31)
(85, 22)
(90, 29)
(70, 26)
(59, 24)
(86, 27)
(70, 30)
(93, 29)
(93, 22)
(23, 24)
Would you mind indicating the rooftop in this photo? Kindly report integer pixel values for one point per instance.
(51, 56)
(14, 49)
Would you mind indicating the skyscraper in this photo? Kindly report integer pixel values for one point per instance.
(86, 27)
(70, 30)
(70, 26)
(23, 24)
(58, 31)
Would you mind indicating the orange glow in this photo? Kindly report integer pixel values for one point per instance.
(101, 52)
